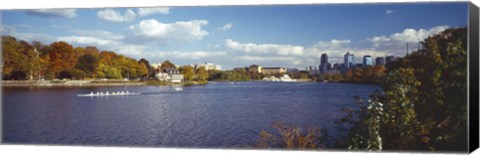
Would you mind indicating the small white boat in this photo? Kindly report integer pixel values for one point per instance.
(178, 88)
(118, 93)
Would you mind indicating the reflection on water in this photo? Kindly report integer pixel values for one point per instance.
(214, 115)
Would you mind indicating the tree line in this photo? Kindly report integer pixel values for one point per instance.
(60, 60)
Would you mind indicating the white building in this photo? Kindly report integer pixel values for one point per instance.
(176, 78)
(170, 75)
(208, 66)
(286, 78)
(271, 78)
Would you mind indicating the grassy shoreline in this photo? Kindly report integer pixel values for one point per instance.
(89, 83)
(69, 83)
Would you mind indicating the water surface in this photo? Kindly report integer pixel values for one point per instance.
(216, 115)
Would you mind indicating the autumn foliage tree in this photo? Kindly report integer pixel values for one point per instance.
(61, 57)
(88, 64)
(28, 61)
(423, 105)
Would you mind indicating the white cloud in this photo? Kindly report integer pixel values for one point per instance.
(194, 55)
(390, 12)
(65, 13)
(259, 59)
(116, 16)
(151, 11)
(396, 43)
(378, 40)
(275, 49)
(226, 27)
(61, 26)
(153, 30)
(213, 45)
(12, 31)
(137, 51)
(335, 49)
(5, 29)
(409, 35)
(100, 34)
(288, 55)
(85, 40)
(332, 44)
(25, 26)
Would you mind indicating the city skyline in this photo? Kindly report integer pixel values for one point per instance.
(292, 36)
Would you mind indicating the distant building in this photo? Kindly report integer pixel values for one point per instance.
(348, 60)
(324, 59)
(312, 70)
(273, 70)
(338, 66)
(324, 63)
(389, 59)
(379, 61)
(169, 74)
(208, 66)
(240, 69)
(292, 70)
(333, 71)
(284, 78)
(270, 78)
(367, 61)
(255, 68)
(176, 78)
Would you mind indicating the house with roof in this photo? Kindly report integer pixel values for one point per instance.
(170, 74)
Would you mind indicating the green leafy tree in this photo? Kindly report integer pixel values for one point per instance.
(71, 74)
(142, 68)
(88, 64)
(167, 64)
(201, 74)
(18, 59)
(423, 104)
(150, 69)
(187, 72)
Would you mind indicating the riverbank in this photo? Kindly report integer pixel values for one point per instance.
(71, 83)
(90, 83)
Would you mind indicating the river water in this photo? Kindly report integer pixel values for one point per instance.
(217, 115)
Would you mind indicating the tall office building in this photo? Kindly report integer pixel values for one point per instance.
(348, 60)
(324, 63)
(389, 59)
(380, 61)
(324, 59)
(367, 61)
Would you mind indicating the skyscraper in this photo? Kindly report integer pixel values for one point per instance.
(367, 61)
(380, 61)
(348, 60)
(324, 59)
(324, 63)
(389, 59)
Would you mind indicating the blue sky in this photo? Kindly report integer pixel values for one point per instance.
(236, 36)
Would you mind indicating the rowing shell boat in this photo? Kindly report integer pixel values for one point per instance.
(122, 93)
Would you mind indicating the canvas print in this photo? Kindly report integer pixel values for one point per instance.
(348, 77)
